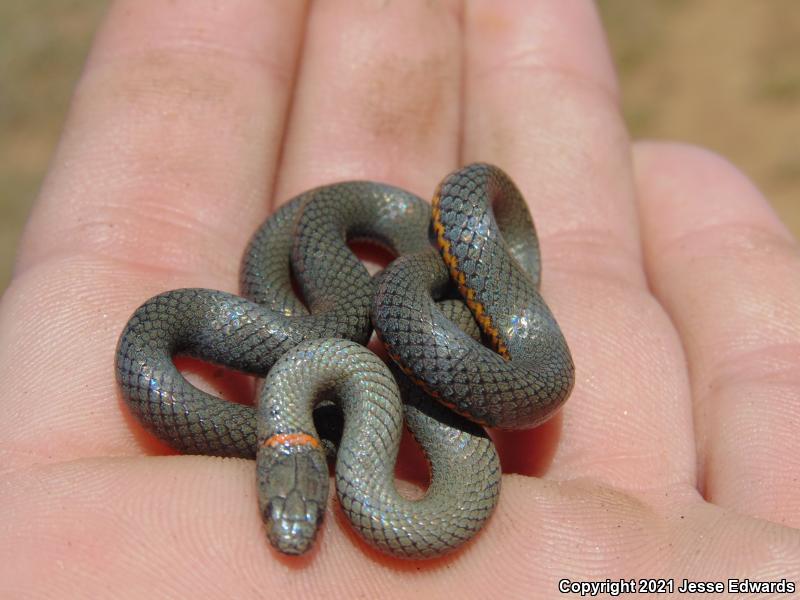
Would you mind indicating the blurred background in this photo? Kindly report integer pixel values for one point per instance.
(721, 73)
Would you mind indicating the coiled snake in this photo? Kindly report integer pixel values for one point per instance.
(317, 355)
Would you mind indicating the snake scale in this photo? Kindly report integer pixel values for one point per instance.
(478, 239)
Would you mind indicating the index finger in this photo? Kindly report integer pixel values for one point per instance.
(165, 163)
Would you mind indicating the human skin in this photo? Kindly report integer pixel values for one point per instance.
(676, 287)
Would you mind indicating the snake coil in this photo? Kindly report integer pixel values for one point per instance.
(316, 356)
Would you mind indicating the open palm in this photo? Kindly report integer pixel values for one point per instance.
(676, 287)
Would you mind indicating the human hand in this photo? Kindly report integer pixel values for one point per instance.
(675, 286)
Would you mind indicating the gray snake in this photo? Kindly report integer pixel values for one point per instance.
(312, 353)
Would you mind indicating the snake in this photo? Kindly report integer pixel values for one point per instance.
(311, 353)
(487, 239)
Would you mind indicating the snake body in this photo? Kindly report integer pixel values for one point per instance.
(249, 335)
(530, 373)
(316, 355)
(293, 476)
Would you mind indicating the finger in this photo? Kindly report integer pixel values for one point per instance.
(378, 96)
(728, 273)
(168, 154)
(174, 132)
(541, 102)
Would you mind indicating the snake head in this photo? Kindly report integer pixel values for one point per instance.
(293, 490)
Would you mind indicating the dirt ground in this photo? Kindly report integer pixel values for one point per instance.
(721, 73)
